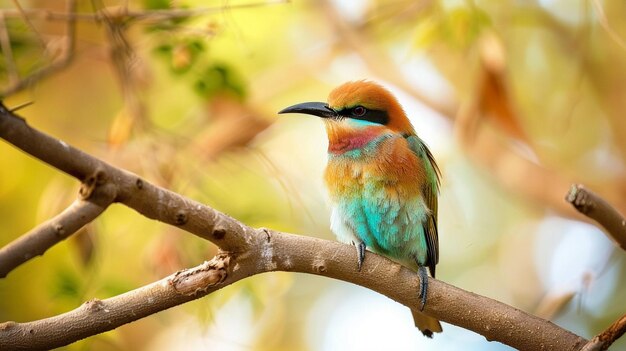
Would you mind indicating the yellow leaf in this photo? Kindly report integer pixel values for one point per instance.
(121, 128)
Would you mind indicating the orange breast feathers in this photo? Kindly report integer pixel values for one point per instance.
(391, 165)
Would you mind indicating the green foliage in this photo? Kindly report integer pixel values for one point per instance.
(27, 52)
(181, 56)
(67, 285)
(157, 4)
(217, 79)
(188, 59)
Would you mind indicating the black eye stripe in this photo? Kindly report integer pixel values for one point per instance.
(375, 116)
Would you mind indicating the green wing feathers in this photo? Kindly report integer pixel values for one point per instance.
(430, 190)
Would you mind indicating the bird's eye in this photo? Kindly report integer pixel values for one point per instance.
(359, 111)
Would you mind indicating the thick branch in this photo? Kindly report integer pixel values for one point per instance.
(275, 251)
(593, 206)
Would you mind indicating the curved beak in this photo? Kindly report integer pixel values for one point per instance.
(319, 109)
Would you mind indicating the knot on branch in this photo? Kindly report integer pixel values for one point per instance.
(97, 189)
(94, 305)
(8, 325)
(181, 217)
(200, 279)
(90, 184)
(59, 230)
(219, 233)
(319, 265)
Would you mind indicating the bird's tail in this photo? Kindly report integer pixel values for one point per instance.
(426, 324)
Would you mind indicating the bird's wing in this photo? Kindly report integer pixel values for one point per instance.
(430, 190)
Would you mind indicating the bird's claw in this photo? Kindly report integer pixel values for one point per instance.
(423, 286)
(360, 253)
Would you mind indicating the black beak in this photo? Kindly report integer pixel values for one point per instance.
(318, 109)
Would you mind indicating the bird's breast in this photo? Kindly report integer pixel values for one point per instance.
(377, 200)
(385, 163)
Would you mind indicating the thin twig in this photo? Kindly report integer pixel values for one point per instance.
(29, 23)
(123, 58)
(59, 64)
(595, 207)
(141, 15)
(21, 106)
(48, 234)
(5, 43)
(605, 339)
(119, 16)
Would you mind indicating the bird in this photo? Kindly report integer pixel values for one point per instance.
(382, 181)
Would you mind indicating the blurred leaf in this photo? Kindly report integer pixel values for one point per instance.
(464, 25)
(234, 124)
(121, 128)
(553, 303)
(84, 242)
(164, 49)
(185, 54)
(427, 32)
(165, 257)
(67, 285)
(56, 197)
(495, 101)
(181, 58)
(114, 287)
(458, 27)
(157, 4)
(220, 78)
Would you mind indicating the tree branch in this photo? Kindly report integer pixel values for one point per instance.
(115, 14)
(593, 206)
(605, 339)
(151, 201)
(129, 14)
(47, 234)
(245, 252)
(59, 64)
(275, 251)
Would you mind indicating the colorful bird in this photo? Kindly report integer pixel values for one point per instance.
(382, 180)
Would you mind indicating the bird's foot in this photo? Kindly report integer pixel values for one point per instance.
(360, 253)
(423, 286)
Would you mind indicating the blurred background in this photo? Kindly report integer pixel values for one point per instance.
(516, 99)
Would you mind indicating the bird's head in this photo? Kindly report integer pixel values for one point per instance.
(357, 106)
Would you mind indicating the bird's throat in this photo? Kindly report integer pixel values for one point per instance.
(342, 140)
